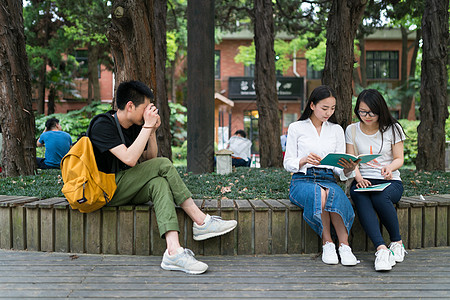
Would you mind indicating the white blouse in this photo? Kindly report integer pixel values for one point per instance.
(303, 139)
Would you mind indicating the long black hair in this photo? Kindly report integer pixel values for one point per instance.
(375, 101)
(317, 95)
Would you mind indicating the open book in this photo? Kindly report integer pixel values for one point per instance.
(374, 188)
(332, 159)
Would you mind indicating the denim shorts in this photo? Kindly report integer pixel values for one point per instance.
(305, 192)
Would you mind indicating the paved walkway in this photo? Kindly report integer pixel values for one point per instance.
(425, 273)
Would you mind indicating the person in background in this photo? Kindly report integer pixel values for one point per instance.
(378, 133)
(313, 186)
(283, 140)
(57, 143)
(241, 147)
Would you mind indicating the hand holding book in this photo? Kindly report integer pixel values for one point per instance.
(333, 159)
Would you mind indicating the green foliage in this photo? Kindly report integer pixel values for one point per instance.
(243, 183)
(178, 123)
(74, 122)
(410, 144)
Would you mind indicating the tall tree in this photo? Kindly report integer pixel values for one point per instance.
(434, 97)
(200, 146)
(137, 35)
(265, 85)
(16, 116)
(343, 21)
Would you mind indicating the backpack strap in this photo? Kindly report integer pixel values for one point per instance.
(116, 166)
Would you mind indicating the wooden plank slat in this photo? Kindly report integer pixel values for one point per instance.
(77, 229)
(19, 233)
(311, 239)
(279, 234)
(62, 240)
(93, 232)
(109, 229)
(6, 228)
(125, 243)
(228, 241)
(245, 227)
(294, 229)
(429, 223)
(262, 227)
(143, 213)
(47, 229)
(403, 222)
(358, 237)
(33, 222)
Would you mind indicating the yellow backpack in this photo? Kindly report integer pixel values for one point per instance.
(85, 187)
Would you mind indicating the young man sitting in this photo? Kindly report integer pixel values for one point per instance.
(155, 178)
(57, 143)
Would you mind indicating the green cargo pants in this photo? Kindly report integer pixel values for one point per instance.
(154, 180)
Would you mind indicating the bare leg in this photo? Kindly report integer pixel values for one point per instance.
(172, 241)
(326, 232)
(340, 228)
(193, 211)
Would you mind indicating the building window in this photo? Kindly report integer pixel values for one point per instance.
(217, 64)
(81, 57)
(382, 64)
(313, 74)
(249, 71)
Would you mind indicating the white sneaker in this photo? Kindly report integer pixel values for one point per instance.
(384, 260)
(398, 250)
(213, 226)
(183, 261)
(329, 255)
(347, 257)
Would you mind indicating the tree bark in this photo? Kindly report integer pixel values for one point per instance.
(163, 135)
(200, 97)
(134, 35)
(94, 85)
(343, 21)
(433, 102)
(406, 102)
(265, 86)
(51, 101)
(16, 116)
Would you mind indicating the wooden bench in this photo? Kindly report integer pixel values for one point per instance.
(264, 227)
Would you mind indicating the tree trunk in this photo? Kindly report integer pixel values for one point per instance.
(134, 37)
(200, 97)
(362, 62)
(433, 91)
(343, 21)
(406, 102)
(51, 101)
(41, 88)
(265, 86)
(163, 135)
(94, 85)
(16, 116)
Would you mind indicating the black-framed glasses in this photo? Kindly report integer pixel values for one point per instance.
(365, 113)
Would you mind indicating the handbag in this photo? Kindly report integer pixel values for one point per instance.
(348, 182)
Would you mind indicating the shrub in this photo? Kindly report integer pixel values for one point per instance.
(410, 144)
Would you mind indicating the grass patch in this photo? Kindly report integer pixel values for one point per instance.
(244, 183)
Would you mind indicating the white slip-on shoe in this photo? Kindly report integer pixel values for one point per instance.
(213, 226)
(347, 257)
(184, 261)
(329, 255)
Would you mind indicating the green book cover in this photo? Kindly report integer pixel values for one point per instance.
(332, 159)
(374, 188)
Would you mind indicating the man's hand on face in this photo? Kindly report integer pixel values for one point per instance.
(151, 117)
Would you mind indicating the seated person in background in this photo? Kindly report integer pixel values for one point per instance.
(241, 147)
(1, 145)
(57, 143)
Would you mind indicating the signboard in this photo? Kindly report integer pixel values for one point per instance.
(243, 88)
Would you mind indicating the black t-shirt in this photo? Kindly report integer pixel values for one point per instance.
(105, 136)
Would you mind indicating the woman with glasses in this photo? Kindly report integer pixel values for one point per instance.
(378, 133)
(313, 187)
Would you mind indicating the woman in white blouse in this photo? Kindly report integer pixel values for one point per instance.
(313, 186)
